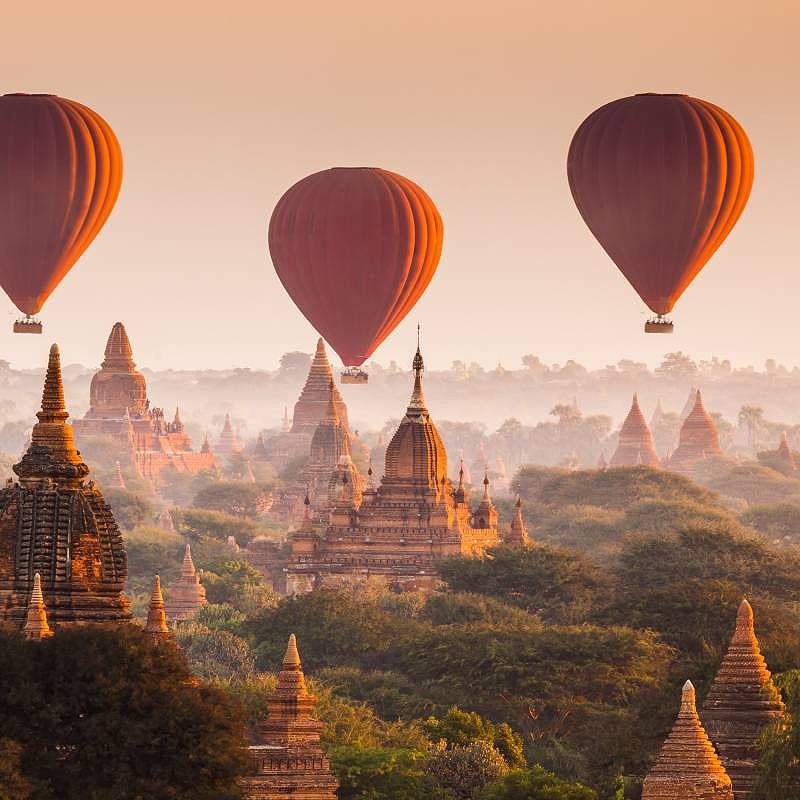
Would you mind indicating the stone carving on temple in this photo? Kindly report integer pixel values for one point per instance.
(288, 761)
(741, 702)
(56, 524)
(687, 768)
(635, 445)
(186, 595)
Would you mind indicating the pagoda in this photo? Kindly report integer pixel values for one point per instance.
(400, 528)
(687, 768)
(742, 701)
(228, 443)
(699, 439)
(518, 535)
(56, 525)
(156, 624)
(119, 408)
(187, 595)
(690, 403)
(36, 625)
(636, 445)
(288, 761)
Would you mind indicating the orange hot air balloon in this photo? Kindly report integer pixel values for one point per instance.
(60, 175)
(355, 248)
(660, 179)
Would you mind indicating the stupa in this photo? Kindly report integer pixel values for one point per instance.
(55, 524)
(742, 701)
(36, 626)
(636, 445)
(699, 439)
(785, 455)
(228, 443)
(288, 761)
(156, 624)
(187, 594)
(687, 768)
(518, 535)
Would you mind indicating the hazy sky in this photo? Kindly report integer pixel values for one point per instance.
(220, 108)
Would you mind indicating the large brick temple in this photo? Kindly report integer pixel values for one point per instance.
(288, 762)
(57, 534)
(397, 530)
(699, 439)
(119, 407)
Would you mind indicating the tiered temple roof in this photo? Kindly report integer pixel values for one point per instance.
(54, 524)
(636, 445)
(741, 702)
(699, 439)
(687, 768)
(312, 405)
(401, 527)
(288, 761)
(187, 595)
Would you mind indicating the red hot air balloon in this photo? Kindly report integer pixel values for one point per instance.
(355, 248)
(60, 174)
(660, 179)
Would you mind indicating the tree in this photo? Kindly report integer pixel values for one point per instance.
(13, 785)
(68, 699)
(752, 418)
(130, 509)
(198, 522)
(246, 500)
(677, 366)
(535, 783)
(214, 654)
(294, 365)
(464, 770)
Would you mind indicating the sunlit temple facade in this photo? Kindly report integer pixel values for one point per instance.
(399, 528)
(62, 559)
(119, 408)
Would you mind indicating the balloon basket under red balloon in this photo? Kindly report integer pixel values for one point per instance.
(354, 375)
(27, 325)
(658, 325)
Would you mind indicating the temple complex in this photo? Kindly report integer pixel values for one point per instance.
(401, 527)
(636, 445)
(518, 535)
(57, 534)
(742, 701)
(687, 768)
(288, 760)
(187, 594)
(119, 408)
(785, 455)
(309, 410)
(699, 439)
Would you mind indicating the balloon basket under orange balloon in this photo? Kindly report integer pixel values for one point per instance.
(658, 325)
(354, 375)
(27, 325)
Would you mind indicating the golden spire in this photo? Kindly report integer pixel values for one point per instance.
(291, 680)
(291, 660)
(688, 766)
(188, 569)
(417, 402)
(156, 618)
(119, 352)
(36, 626)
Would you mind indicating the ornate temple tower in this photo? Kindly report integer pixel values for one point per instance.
(54, 524)
(288, 762)
(187, 594)
(118, 387)
(636, 445)
(699, 439)
(742, 701)
(687, 767)
(401, 528)
(518, 535)
(312, 405)
(228, 442)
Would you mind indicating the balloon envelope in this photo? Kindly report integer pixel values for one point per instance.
(660, 180)
(60, 175)
(355, 248)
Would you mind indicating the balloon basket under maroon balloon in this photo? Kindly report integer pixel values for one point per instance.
(27, 325)
(354, 375)
(658, 325)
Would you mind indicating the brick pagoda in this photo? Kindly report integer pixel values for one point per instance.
(636, 445)
(699, 439)
(186, 595)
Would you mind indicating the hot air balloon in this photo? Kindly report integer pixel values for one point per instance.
(60, 174)
(660, 180)
(355, 248)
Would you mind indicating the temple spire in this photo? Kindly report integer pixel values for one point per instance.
(36, 626)
(156, 618)
(118, 350)
(519, 533)
(417, 403)
(119, 480)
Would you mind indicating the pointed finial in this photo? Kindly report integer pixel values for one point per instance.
(745, 623)
(486, 483)
(53, 407)
(291, 660)
(188, 569)
(688, 699)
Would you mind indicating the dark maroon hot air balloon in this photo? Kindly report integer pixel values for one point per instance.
(60, 175)
(355, 248)
(660, 179)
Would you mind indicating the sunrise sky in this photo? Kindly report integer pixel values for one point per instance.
(220, 109)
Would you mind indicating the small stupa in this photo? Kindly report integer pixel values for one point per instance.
(36, 626)
(518, 535)
(687, 768)
(742, 701)
(636, 445)
(156, 624)
(187, 594)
